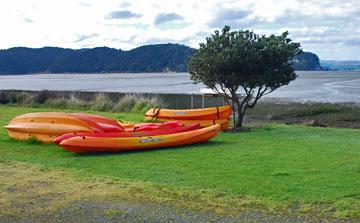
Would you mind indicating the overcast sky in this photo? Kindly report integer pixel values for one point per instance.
(330, 29)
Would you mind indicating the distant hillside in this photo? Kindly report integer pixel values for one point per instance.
(340, 65)
(307, 61)
(149, 58)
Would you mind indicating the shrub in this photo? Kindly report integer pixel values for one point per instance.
(137, 103)
(57, 102)
(101, 103)
(23, 98)
(75, 102)
(143, 104)
(4, 98)
(42, 96)
(125, 104)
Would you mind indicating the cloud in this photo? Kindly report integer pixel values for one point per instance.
(85, 4)
(125, 4)
(27, 20)
(122, 15)
(85, 37)
(328, 28)
(236, 18)
(167, 17)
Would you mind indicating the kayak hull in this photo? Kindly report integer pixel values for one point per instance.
(224, 123)
(80, 144)
(192, 127)
(45, 126)
(212, 113)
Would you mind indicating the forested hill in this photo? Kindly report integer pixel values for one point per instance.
(307, 61)
(149, 58)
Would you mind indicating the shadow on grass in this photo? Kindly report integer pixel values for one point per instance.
(203, 146)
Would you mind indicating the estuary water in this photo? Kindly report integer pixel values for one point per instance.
(317, 86)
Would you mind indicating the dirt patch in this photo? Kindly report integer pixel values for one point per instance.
(29, 193)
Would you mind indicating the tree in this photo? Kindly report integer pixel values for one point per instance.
(232, 61)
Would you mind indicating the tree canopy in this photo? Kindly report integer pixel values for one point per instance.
(242, 61)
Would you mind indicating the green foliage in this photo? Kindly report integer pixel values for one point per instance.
(42, 96)
(4, 97)
(125, 104)
(101, 103)
(72, 102)
(137, 103)
(20, 98)
(230, 61)
(143, 104)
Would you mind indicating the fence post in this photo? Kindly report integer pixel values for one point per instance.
(233, 108)
(192, 101)
(203, 101)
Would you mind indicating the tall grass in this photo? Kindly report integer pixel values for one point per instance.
(137, 103)
(100, 102)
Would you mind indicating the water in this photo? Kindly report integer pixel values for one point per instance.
(316, 86)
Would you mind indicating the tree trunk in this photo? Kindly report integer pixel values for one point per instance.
(241, 109)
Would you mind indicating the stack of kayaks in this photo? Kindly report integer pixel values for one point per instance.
(205, 117)
(81, 132)
(45, 126)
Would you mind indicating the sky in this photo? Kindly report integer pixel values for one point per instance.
(329, 28)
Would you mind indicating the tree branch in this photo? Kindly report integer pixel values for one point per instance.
(259, 94)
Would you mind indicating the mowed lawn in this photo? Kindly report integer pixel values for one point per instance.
(277, 165)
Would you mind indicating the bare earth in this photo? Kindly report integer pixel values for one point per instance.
(32, 194)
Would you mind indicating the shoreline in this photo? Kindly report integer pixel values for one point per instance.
(268, 110)
(309, 86)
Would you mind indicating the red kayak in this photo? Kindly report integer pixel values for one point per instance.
(100, 123)
(107, 125)
(161, 130)
(154, 126)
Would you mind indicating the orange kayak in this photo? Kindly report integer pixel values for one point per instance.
(223, 112)
(85, 144)
(45, 126)
(155, 132)
(224, 123)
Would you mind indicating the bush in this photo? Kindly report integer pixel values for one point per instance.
(20, 98)
(4, 98)
(125, 104)
(42, 96)
(136, 103)
(101, 103)
(143, 104)
(75, 102)
(57, 103)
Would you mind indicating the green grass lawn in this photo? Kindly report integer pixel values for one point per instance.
(277, 165)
